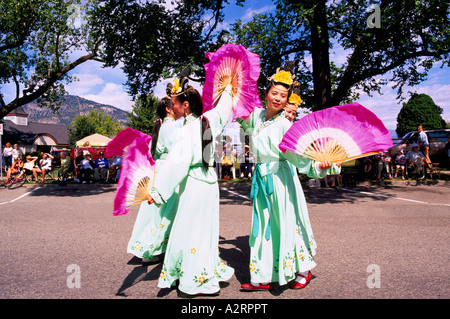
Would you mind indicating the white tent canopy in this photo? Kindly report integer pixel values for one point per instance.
(94, 140)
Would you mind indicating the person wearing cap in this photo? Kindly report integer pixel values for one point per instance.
(415, 158)
(101, 167)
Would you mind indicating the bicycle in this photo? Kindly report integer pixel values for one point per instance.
(18, 181)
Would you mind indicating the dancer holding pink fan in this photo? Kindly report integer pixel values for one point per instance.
(192, 255)
(282, 244)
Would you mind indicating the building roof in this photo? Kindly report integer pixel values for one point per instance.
(18, 111)
(27, 134)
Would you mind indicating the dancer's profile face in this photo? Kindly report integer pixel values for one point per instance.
(276, 98)
(179, 107)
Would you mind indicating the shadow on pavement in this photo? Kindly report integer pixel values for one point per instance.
(73, 190)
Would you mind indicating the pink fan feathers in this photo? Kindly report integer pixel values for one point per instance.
(352, 129)
(137, 165)
(243, 67)
(118, 146)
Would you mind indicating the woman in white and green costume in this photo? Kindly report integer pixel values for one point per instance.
(152, 227)
(192, 255)
(282, 245)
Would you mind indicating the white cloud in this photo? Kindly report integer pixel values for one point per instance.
(250, 12)
(84, 84)
(112, 94)
(387, 107)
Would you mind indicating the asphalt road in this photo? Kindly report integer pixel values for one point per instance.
(373, 243)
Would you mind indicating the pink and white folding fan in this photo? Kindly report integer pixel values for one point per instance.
(233, 64)
(337, 134)
(120, 143)
(136, 177)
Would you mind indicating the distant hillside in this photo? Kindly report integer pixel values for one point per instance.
(71, 107)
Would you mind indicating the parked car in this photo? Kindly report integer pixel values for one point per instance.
(437, 139)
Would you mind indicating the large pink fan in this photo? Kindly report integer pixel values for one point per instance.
(233, 64)
(337, 134)
(120, 143)
(136, 177)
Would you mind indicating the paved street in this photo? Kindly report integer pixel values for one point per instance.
(373, 242)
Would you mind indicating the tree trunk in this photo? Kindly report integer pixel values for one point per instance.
(320, 56)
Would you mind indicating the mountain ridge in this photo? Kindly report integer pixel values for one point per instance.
(72, 106)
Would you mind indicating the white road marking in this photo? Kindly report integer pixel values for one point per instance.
(237, 194)
(21, 196)
(391, 197)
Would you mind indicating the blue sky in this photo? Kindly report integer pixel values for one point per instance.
(105, 85)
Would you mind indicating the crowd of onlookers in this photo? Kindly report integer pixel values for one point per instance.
(83, 168)
(230, 162)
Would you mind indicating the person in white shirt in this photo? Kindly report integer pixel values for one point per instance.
(87, 169)
(46, 166)
(7, 155)
(424, 145)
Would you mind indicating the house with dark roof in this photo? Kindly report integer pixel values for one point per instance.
(33, 136)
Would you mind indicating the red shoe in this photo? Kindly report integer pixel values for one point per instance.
(297, 285)
(250, 287)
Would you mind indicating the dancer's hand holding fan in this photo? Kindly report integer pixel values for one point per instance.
(233, 64)
(137, 172)
(337, 134)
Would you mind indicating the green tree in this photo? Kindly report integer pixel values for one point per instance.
(37, 40)
(153, 41)
(410, 36)
(143, 114)
(94, 122)
(420, 109)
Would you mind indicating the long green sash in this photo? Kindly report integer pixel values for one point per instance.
(258, 185)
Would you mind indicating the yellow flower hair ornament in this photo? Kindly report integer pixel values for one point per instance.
(295, 99)
(180, 85)
(284, 77)
(176, 88)
(284, 74)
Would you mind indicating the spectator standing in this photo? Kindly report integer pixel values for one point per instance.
(424, 145)
(384, 163)
(15, 152)
(7, 155)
